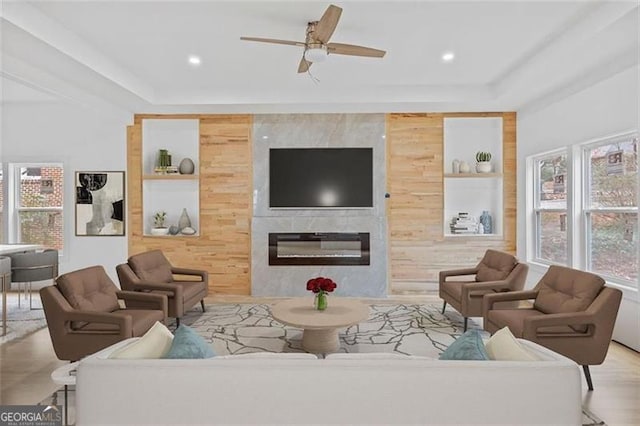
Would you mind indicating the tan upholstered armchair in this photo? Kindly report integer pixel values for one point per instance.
(151, 272)
(84, 316)
(497, 272)
(573, 313)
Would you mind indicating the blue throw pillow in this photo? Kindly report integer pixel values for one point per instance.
(187, 344)
(469, 346)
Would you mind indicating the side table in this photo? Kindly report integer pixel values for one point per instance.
(65, 375)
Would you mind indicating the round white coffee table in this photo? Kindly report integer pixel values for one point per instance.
(320, 328)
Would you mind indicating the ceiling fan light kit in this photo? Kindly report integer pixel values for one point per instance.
(316, 44)
(316, 53)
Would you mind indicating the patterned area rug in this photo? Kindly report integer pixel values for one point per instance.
(21, 320)
(406, 329)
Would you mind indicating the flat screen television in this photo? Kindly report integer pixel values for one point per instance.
(320, 177)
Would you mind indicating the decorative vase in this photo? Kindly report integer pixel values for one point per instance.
(485, 220)
(321, 301)
(455, 166)
(184, 221)
(464, 167)
(186, 166)
(483, 167)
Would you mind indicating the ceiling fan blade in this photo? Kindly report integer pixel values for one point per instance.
(327, 24)
(353, 50)
(304, 65)
(273, 40)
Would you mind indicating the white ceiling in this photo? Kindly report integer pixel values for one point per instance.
(509, 54)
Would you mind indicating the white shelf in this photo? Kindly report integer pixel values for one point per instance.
(471, 192)
(171, 176)
(473, 175)
(170, 192)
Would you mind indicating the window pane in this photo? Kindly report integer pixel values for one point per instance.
(552, 181)
(614, 244)
(41, 227)
(613, 175)
(552, 232)
(41, 187)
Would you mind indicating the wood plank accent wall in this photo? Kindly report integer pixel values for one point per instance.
(223, 247)
(418, 249)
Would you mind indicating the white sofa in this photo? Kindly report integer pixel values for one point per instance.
(341, 389)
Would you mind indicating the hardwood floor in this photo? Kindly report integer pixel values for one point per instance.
(26, 365)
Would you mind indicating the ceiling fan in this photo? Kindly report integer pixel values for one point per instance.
(317, 46)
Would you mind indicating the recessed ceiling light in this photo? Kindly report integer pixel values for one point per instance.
(195, 60)
(448, 56)
(265, 137)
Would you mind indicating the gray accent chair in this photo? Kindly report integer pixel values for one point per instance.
(85, 312)
(33, 266)
(151, 272)
(497, 272)
(5, 278)
(573, 313)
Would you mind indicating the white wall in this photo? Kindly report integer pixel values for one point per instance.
(83, 139)
(606, 108)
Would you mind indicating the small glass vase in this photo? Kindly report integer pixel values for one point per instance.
(321, 301)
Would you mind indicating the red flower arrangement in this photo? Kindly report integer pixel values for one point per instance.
(321, 284)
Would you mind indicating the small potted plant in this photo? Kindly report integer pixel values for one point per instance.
(321, 286)
(159, 227)
(483, 164)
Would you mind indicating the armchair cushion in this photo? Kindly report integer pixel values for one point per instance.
(495, 266)
(563, 290)
(142, 320)
(151, 267)
(89, 289)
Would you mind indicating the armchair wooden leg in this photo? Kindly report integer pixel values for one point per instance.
(202, 304)
(466, 319)
(444, 305)
(587, 375)
(177, 322)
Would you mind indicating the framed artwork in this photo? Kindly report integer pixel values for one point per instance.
(100, 204)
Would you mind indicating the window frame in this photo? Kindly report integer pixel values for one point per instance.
(14, 207)
(587, 210)
(537, 209)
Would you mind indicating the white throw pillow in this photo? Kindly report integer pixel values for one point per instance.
(154, 344)
(503, 346)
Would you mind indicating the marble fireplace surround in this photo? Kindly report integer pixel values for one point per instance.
(318, 131)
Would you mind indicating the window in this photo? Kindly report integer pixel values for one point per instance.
(611, 207)
(550, 208)
(38, 204)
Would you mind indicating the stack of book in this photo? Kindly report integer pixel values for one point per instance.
(166, 169)
(464, 224)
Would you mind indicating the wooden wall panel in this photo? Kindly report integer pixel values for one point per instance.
(418, 249)
(223, 247)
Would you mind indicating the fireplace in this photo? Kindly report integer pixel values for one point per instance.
(319, 248)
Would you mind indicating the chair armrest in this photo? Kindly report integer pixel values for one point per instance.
(467, 288)
(136, 299)
(124, 323)
(531, 324)
(457, 272)
(185, 271)
(509, 296)
(148, 286)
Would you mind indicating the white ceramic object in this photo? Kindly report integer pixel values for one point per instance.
(159, 231)
(455, 166)
(188, 231)
(483, 167)
(464, 167)
(186, 166)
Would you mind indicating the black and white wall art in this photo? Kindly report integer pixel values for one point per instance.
(100, 204)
